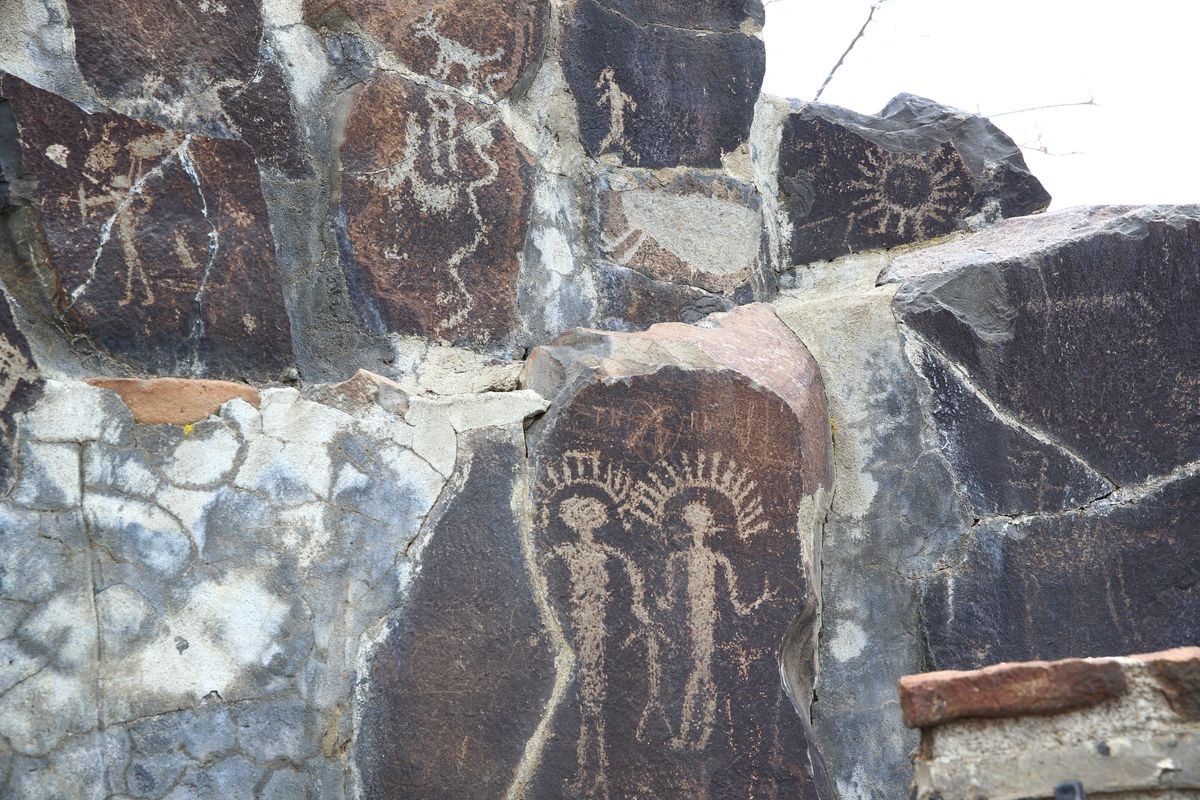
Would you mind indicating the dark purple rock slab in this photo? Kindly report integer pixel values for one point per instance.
(1083, 324)
(488, 46)
(1119, 579)
(656, 95)
(204, 66)
(1005, 470)
(917, 170)
(157, 245)
(668, 502)
(460, 682)
(435, 199)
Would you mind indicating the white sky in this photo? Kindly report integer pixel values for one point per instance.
(1140, 61)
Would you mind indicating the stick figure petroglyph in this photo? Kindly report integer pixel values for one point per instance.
(588, 562)
(703, 567)
(681, 498)
(618, 103)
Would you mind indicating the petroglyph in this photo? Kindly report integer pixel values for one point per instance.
(618, 103)
(435, 205)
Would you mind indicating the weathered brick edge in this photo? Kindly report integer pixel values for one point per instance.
(176, 401)
(1043, 687)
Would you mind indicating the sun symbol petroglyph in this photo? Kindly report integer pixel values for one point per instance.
(618, 104)
(590, 497)
(695, 501)
(909, 195)
(452, 53)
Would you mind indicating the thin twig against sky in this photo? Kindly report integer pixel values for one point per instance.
(1091, 101)
(870, 15)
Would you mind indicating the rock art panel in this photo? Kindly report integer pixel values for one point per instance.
(658, 95)
(209, 70)
(671, 542)
(693, 229)
(1119, 576)
(435, 203)
(1078, 325)
(851, 182)
(157, 245)
(460, 681)
(1004, 468)
(20, 384)
(486, 47)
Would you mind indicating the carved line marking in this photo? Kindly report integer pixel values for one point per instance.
(618, 102)
(587, 561)
(452, 53)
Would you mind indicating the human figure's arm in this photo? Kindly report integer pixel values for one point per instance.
(731, 581)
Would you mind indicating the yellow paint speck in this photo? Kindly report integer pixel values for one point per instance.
(188, 429)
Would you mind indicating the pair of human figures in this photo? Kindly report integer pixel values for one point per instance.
(588, 562)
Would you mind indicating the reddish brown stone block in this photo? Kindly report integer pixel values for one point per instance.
(1178, 675)
(1009, 690)
(157, 245)
(483, 45)
(435, 194)
(175, 401)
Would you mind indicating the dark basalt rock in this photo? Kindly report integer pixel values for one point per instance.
(20, 385)
(435, 205)
(157, 245)
(488, 46)
(1117, 579)
(709, 15)
(1004, 469)
(202, 67)
(669, 485)
(461, 680)
(853, 182)
(628, 300)
(659, 96)
(1082, 325)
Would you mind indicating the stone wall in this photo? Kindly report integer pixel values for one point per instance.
(504, 399)
(1102, 728)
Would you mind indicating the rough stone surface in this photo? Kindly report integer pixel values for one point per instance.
(673, 539)
(176, 401)
(1137, 744)
(895, 512)
(917, 170)
(1075, 324)
(435, 202)
(693, 230)
(211, 70)
(659, 95)
(20, 384)
(183, 610)
(1009, 690)
(467, 661)
(444, 40)
(152, 245)
(1118, 575)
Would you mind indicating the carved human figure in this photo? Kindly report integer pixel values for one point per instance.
(618, 103)
(702, 567)
(587, 561)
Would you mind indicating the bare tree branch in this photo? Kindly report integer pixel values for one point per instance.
(870, 15)
(1091, 101)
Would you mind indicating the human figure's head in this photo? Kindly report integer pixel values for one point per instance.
(699, 519)
(583, 515)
